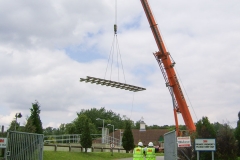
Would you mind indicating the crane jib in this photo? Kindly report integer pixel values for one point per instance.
(164, 60)
(178, 86)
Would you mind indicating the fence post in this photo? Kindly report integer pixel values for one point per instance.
(55, 148)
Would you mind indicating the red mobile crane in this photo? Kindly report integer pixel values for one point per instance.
(166, 65)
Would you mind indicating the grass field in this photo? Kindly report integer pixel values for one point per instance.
(50, 155)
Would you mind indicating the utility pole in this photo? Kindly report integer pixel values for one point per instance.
(17, 115)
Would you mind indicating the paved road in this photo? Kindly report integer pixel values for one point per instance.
(158, 158)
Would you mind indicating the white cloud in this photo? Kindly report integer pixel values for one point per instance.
(38, 38)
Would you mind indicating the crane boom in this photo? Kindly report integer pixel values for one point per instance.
(167, 67)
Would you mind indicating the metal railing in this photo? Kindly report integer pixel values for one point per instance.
(24, 146)
(75, 139)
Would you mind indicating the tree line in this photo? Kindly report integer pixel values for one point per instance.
(33, 122)
(227, 138)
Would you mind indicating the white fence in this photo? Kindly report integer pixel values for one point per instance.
(75, 139)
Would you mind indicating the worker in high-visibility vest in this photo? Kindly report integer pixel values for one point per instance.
(150, 152)
(138, 152)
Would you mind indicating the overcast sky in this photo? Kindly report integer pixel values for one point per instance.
(47, 46)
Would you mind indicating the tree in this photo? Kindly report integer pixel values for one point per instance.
(86, 139)
(205, 130)
(127, 139)
(29, 127)
(70, 128)
(137, 125)
(226, 147)
(35, 118)
(226, 143)
(62, 129)
(237, 133)
(75, 127)
(79, 123)
(109, 117)
(48, 131)
(12, 126)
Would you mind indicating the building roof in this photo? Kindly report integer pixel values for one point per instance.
(150, 135)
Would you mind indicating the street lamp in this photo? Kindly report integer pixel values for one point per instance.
(120, 143)
(2, 129)
(17, 115)
(112, 145)
(113, 132)
(103, 130)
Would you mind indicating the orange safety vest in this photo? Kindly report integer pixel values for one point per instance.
(150, 154)
(138, 153)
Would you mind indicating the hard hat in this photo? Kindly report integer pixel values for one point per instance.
(140, 144)
(150, 144)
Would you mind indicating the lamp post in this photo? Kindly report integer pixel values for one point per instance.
(113, 137)
(2, 129)
(17, 115)
(120, 143)
(103, 130)
(113, 132)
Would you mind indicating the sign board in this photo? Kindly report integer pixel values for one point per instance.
(8, 153)
(112, 145)
(184, 141)
(88, 150)
(3, 142)
(205, 144)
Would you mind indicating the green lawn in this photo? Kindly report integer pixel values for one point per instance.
(51, 155)
(61, 155)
